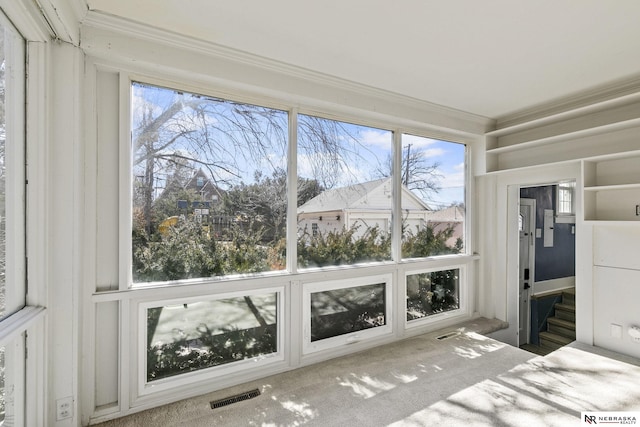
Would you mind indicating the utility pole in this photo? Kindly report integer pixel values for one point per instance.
(406, 174)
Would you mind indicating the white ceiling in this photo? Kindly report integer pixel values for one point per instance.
(491, 58)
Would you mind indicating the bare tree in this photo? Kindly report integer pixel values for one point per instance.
(181, 129)
(418, 174)
(229, 140)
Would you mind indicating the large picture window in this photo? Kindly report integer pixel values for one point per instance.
(433, 197)
(210, 180)
(209, 186)
(344, 193)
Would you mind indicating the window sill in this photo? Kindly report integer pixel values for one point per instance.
(566, 219)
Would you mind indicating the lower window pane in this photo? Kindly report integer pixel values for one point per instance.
(341, 311)
(12, 374)
(187, 337)
(3, 397)
(432, 293)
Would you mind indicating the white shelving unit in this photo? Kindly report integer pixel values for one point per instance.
(612, 188)
(602, 128)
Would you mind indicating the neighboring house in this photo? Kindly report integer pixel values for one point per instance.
(453, 216)
(202, 184)
(365, 205)
(368, 205)
(199, 183)
(210, 195)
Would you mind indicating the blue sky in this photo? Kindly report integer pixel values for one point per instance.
(451, 157)
(362, 154)
(373, 148)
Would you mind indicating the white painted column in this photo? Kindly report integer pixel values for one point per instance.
(64, 227)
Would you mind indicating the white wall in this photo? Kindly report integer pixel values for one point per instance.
(64, 225)
(616, 287)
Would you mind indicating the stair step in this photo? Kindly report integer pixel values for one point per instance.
(562, 323)
(565, 312)
(562, 327)
(562, 331)
(565, 307)
(569, 296)
(550, 339)
(569, 316)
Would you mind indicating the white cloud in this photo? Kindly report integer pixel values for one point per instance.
(453, 180)
(418, 141)
(378, 138)
(433, 152)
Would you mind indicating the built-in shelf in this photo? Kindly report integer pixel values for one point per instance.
(565, 114)
(612, 189)
(603, 223)
(606, 126)
(611, 127)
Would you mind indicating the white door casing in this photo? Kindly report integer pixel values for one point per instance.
(526, 264)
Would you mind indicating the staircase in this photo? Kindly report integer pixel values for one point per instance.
(561, 328)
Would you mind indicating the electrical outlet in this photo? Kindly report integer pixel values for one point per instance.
(634, 333)
(64, 408)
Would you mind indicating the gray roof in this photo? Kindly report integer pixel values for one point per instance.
(340, 198)
(343, 198)
(452, 213)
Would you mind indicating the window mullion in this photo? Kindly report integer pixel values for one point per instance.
(396, 233)
(292, 192)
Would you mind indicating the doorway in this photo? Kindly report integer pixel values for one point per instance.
(526, 229)
(546, 266)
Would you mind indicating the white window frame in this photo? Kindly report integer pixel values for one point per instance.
(15, 191)
(353, 337)
(562, 216)
(131, 392)
(126, 180)
(463, 297)
(126, 80)
(188, 378)
(22, 327)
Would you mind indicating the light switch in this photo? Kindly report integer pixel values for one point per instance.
(538, 233)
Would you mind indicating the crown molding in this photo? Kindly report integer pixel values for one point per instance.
(119, 26)
(63, 18)
(28, 19)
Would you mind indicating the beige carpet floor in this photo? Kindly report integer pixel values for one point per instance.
(464, 380)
